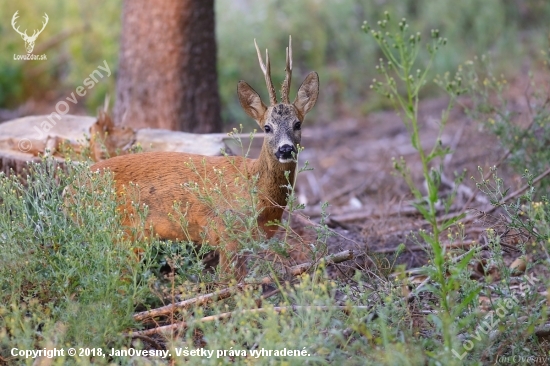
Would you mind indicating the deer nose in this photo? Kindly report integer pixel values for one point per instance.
(286, 151)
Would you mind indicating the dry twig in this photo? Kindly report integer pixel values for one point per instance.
(206, 319)
(230, 291)
(520, 191)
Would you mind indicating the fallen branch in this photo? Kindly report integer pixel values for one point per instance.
(228, 315)
(230, 291)
(329, 259)
(365, 213)
(196, 301)
(151, 341)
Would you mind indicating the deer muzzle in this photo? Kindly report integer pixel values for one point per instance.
(284, 153)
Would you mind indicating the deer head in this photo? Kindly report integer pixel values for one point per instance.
(29, 40)
(281, 121)
(107, 140)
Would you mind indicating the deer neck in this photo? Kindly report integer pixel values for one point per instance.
(271, 177)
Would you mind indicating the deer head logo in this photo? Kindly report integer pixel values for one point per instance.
(29, 40)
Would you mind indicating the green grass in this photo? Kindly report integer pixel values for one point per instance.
(83, 293)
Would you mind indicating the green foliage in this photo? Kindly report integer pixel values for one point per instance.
(456, 295)
(528, 213)
(401, 73)
(68, 275)
(523, 134)
(82, 281)
(326, 40)
(527, 310)
(78, 37)
(58, 277)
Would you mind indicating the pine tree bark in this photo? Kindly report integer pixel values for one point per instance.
(167, 68)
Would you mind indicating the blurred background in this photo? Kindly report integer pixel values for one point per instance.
(327, 38)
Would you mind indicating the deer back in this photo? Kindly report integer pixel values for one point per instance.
(187, 194)
(177, 185)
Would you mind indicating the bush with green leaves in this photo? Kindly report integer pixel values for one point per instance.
(524, 132)
(456, 336)
(71, 277)
(402, 80)
(513, 330)
(64, 277)
(81, 35)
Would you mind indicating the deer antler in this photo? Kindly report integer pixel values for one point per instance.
(34, 35)
(288, 70)
(266, 69)
(13, 19)
(24, 34)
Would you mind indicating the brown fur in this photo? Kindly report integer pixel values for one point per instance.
(106, 139)
(160, 175)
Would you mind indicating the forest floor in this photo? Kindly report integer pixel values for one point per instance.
(370, 209)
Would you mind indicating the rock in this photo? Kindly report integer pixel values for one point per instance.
(25, 139)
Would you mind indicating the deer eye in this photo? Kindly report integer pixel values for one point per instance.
(298, 125)
(267, 129)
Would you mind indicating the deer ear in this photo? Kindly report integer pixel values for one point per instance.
(251, 101)
(307, 94)
(101, 123)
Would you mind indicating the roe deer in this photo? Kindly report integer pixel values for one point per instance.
(107, 139)
(159, 177)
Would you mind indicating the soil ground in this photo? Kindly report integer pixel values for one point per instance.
(370, 207)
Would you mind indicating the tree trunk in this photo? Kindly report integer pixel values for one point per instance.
(167, 69)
